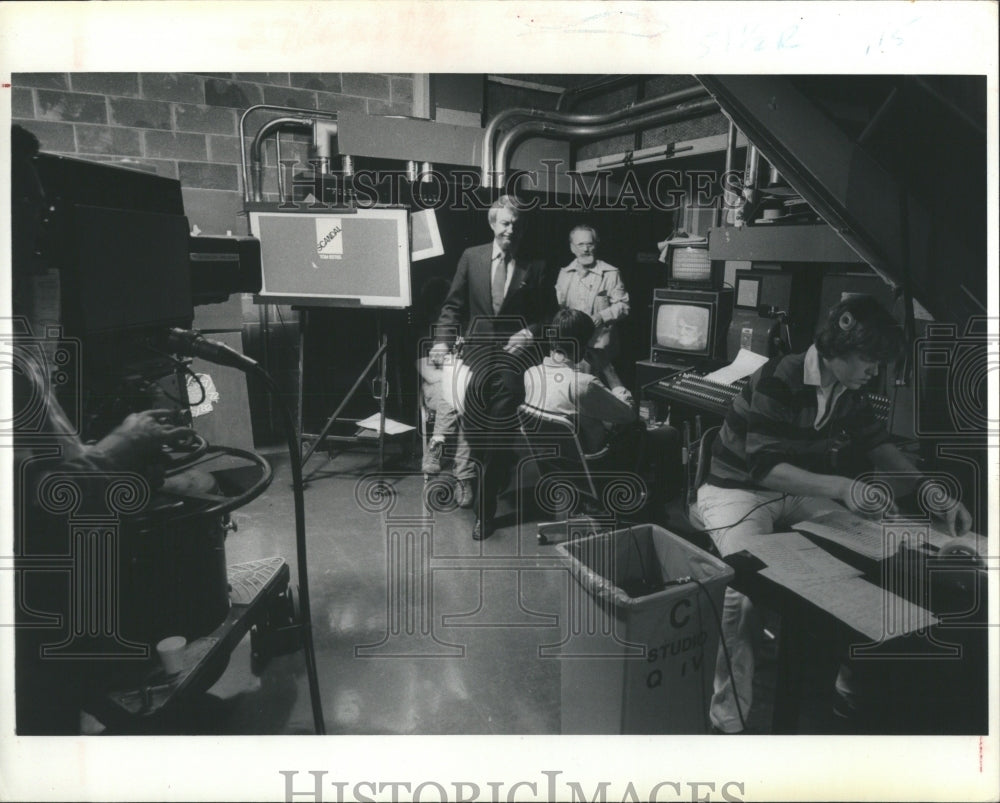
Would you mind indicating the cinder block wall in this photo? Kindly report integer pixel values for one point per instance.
(185, 125)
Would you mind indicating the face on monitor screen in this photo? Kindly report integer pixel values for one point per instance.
(682, 326)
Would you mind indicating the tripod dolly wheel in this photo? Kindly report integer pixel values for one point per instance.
(279, 629)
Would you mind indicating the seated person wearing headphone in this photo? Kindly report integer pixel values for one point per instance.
(606, 416)
(771, 467)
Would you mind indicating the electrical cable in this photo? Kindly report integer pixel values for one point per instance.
(300, 545)
(706, 720)
(186, 368)
(638, 552)
(725, 651)
(892, 409)
(198, 382)
(741, 518)
(193, 344)
(715, 613)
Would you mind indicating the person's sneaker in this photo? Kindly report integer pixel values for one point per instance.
(432, 457)
(463, 493)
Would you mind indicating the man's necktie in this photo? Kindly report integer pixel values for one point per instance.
(499, 281)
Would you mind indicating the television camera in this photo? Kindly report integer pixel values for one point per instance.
(130, 274)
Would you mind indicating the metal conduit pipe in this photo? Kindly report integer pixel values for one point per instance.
(256, 163)
(576, 119)
(277, 161)
(728, 197)
(312, 113)
(699, 108)
(572, 94)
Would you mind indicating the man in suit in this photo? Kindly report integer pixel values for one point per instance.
(495, 297)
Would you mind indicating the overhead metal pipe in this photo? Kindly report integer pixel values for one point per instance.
(551, 130)
(311, 113)
(749, 191)
(640, 107)
(731, 146)
(256, 163)
(277, 161)
(570, 95)
(728, 197)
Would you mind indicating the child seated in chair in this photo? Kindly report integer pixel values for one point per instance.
(605, 416)
(443, 388)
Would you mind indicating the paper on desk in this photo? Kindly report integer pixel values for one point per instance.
(391, 427)
(746, 363)
(832, 585)
(869, 609)
(872, 539)
(793, 560)
(862, 536)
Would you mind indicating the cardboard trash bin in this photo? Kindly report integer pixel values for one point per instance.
(639, 651)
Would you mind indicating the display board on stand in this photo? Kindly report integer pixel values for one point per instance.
(334, 257)
(343, 257)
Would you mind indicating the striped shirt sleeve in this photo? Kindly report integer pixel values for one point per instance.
(769, 419)
(867, 430)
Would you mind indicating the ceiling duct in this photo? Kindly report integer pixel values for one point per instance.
(552, 130)
(565, 118)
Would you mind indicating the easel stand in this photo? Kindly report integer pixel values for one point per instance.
(381, 357)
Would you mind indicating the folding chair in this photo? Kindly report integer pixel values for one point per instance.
(553, 442)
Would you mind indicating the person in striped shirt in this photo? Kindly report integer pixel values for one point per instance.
(781, 456)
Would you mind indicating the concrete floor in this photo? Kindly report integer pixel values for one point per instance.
(463, 657)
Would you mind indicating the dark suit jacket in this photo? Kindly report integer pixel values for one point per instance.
(468, 309)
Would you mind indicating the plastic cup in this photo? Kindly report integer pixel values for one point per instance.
(171, 652)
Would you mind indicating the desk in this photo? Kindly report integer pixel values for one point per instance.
(932, 690)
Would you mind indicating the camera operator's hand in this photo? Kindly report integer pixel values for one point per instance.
(438, 354)
(137, 442)
(866, 498)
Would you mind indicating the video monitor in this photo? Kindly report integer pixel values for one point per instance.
(690, 326)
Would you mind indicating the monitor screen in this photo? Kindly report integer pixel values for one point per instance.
(683, 326)
(690, 265)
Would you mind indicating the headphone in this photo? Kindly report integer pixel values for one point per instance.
(846, 321)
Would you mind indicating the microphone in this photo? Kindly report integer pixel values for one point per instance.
(194, 344)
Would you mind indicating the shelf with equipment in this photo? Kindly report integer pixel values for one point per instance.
(775, 242)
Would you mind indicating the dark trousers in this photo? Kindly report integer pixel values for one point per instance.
(496, 388)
